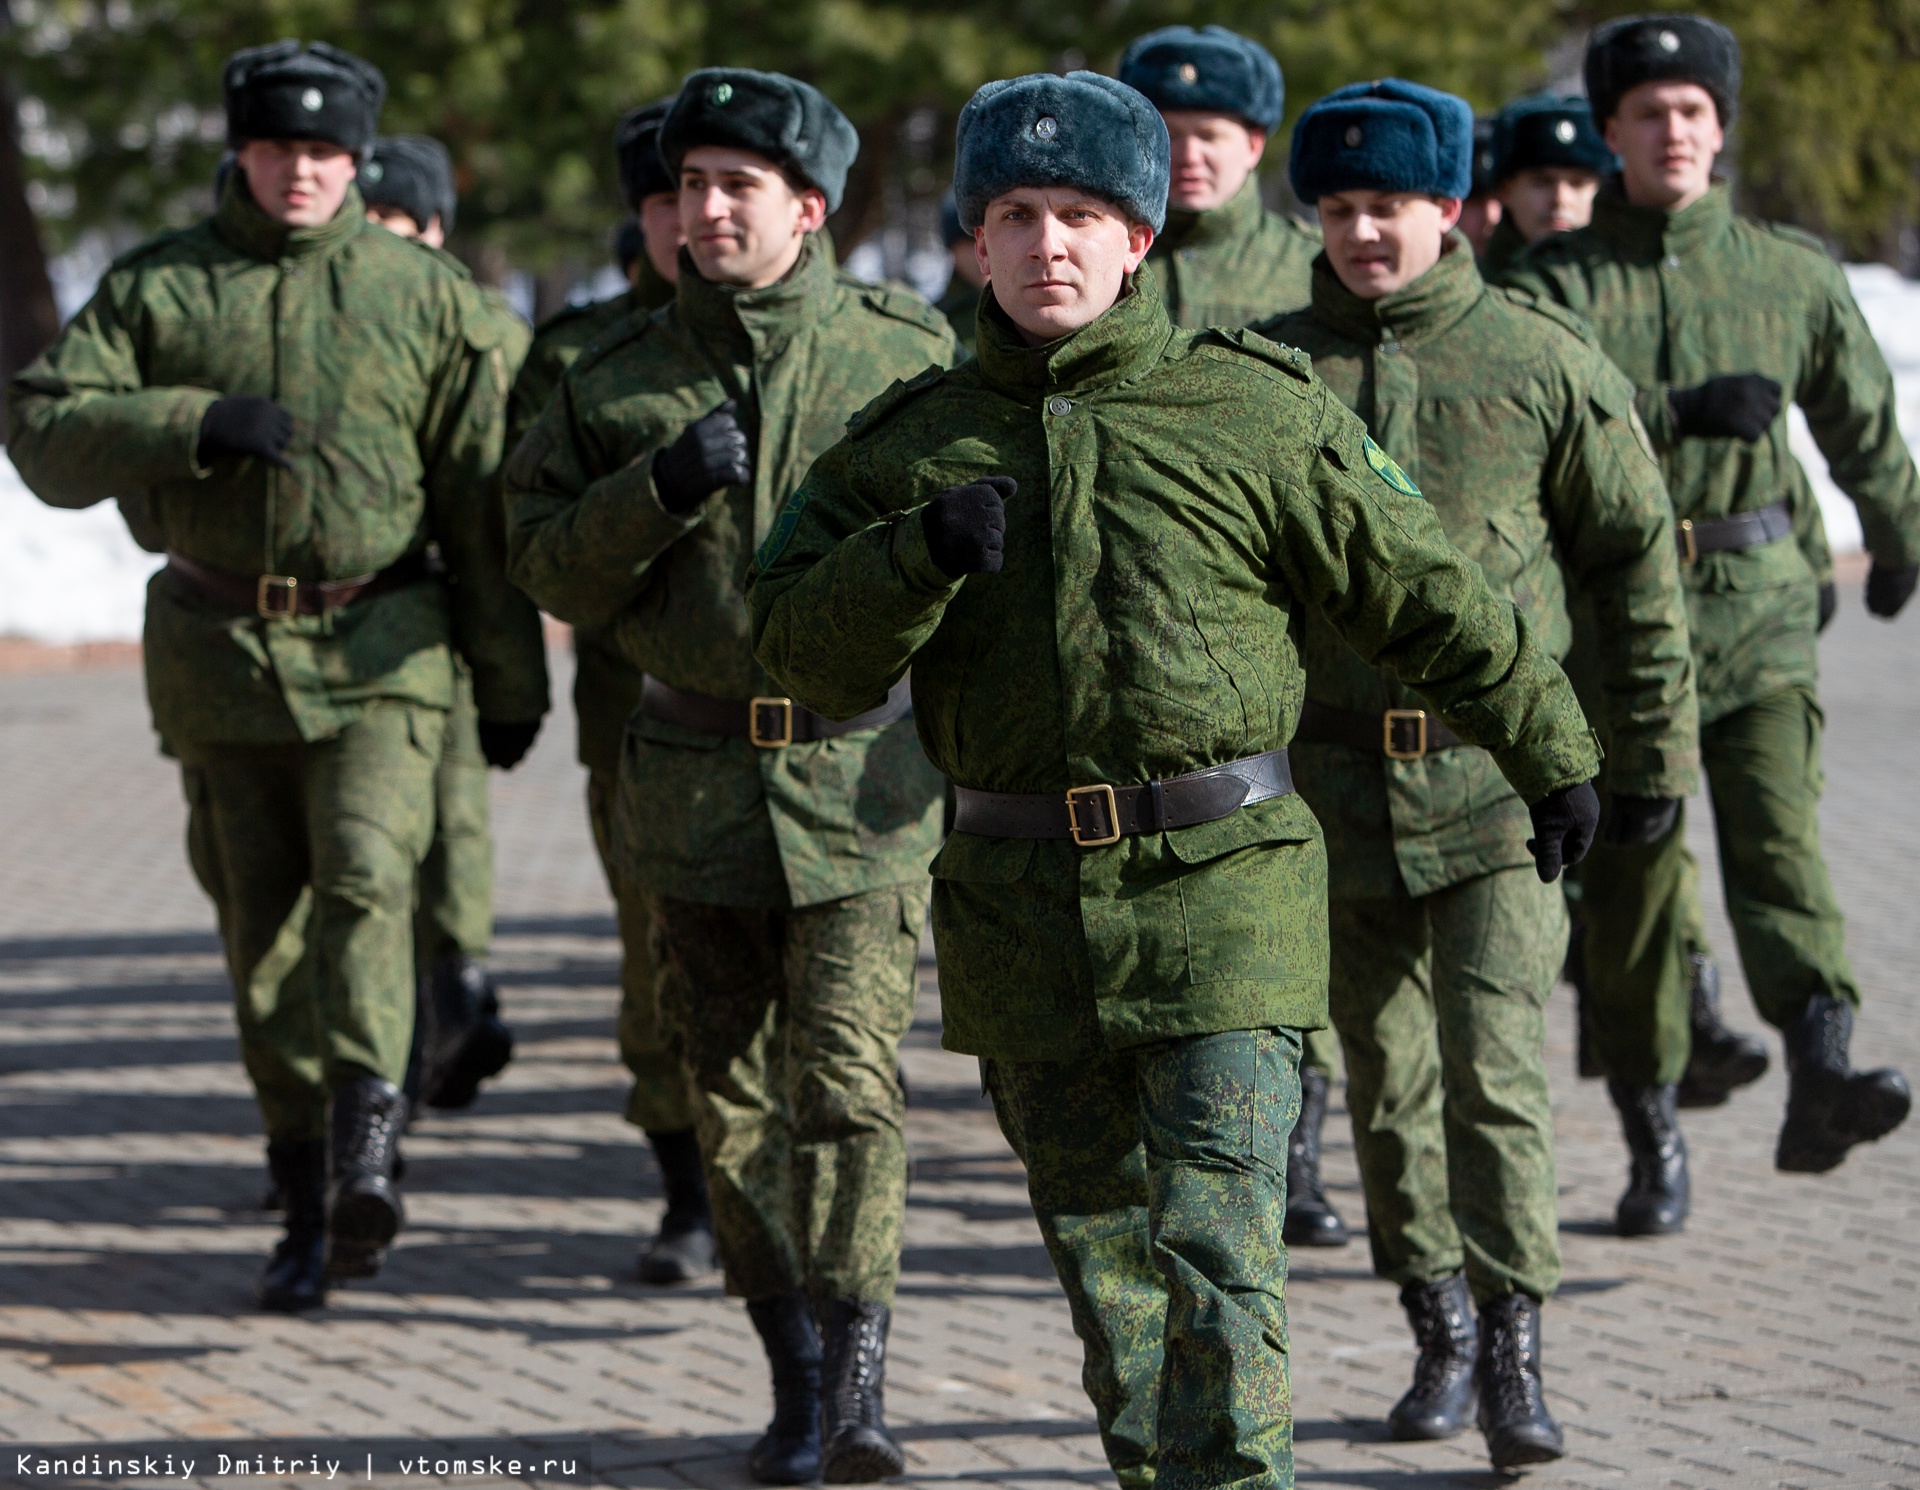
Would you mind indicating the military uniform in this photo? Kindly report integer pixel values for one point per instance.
(1676, 298)
(1152, 989)
(308, 742)
(960, 304)
(1234, 265)
(788, 880)
(1446, 945)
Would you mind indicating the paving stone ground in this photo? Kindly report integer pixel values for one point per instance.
(1777, 1343)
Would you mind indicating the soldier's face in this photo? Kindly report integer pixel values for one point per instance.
(1543, 200)
(745, 224)
(1382, 241)
(1057, 258)
(1667, 136)
(1213, 154)
(396, 221)
(660, 232)
(297, 182)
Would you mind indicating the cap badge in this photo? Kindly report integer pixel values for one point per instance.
(1189, 73)
(373, 170)
(1669, 42)
(722, 93)
(1045, 127)
(311, 100)
(1354, 136)
(1563, 131)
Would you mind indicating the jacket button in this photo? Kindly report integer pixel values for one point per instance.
(1671, 261)
(1390, 347)
(1058, 405)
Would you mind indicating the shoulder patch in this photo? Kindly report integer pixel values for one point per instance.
(1290, 360)
(899, 305)
(867, 420)
(781, 533)
(1387, 469)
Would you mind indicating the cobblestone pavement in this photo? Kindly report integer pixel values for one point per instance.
(1776, 1343)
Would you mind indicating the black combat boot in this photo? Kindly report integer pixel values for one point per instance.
(1311, 1219)
(464, 1041)
(683, 1249)
(1723, 1060)
(296, 1275)
(1586, 1060)
(859, 1450)
(788, 1453)
(1513, 1412)
(1440, 1401)
(364, 1212)
(1658, 1196)
(1831, 1106)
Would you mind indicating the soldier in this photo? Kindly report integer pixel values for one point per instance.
(1092, 545)
(1224, 260)
(1480, 213)
(1715, 318)
(784, 853)
(291, 384)
(1548, 161)
(459, 1039)
(606, 690)
(961, 302)
(1445, 943)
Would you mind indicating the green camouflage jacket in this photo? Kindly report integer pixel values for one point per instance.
(1184, 499)
(606, 687)
(729, 824)
(1504, 246)
(1523, 438)
(1234, 265)
(395, 369)
(960, 305)
(1676, 298)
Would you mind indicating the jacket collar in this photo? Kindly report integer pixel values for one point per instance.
(1416, 313)
(1121, 344)
(1237, 217)
(764, 319)
(241, 224)
(1654, 232)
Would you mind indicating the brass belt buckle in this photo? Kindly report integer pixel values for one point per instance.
(1095, 799)
(1689, 545)
(1389, 739)
(779, 712)
(282, 585)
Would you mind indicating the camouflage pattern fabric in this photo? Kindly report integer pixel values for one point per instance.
(1320, 1051)
(309, 853)
(1126, 639)
(1439, 1003)
(455, 913)
(792, 1022)
(718, 820)
(1234, 265)
(395, 369)
(961, 305)
(1159, 1179)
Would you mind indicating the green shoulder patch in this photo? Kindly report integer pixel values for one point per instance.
(866, 421)
(1387, 469)
(781, 533)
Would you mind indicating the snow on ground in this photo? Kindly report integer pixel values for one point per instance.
(77, 577)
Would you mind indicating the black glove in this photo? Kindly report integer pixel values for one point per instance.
(505, 742)
(1889, 589)
(1829, 603)
(245, 425)
(710, 453)
(1739, 406)
(1634, 822)
(1563, 824)
(966, 527)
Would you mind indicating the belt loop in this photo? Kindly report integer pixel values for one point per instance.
(1157, 795)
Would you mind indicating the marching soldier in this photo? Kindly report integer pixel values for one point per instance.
(1548, 161)
(303, 394)
(1717, 320)
(1091, 545)
(1480, 213)
(1445, 943)
(784, 852)
(606, 691)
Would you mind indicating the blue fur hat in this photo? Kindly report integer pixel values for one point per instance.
(1385, 136)
(1213, 70)
(1082, 130)
(1548, 129)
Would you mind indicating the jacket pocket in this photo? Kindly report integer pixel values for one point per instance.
(1285, 819)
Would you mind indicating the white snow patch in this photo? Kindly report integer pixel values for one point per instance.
(67, 577)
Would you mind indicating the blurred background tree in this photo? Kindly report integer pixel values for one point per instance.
(116, 103)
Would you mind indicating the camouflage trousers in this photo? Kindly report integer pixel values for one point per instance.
(310, 854)
(454, 917)
(1439, 1003)
(791, 1022)
(1159, 1177)
(661, 1098)
(1763, 771)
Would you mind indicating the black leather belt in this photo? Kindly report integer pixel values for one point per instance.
(277, 596)
(768, 722)
(1399, 734)
(1716, 535)
(1096, 815)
